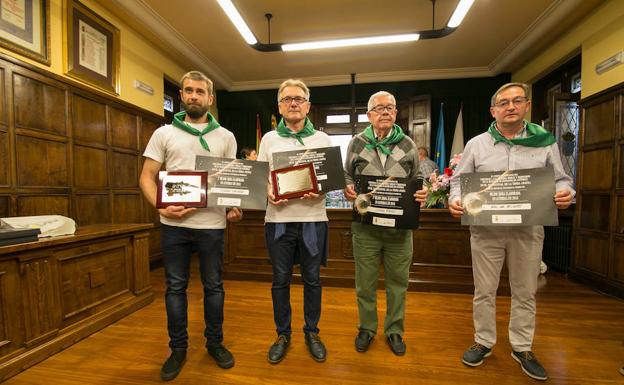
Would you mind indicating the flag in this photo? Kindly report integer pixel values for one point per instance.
(258, 132)
(440, 154)
(458, 137)
(273, 122)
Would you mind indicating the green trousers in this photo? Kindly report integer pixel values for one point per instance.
(373, 245)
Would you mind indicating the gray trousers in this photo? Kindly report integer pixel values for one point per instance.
(521, 248)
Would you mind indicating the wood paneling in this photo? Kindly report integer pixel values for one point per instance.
(595, 163)
(595, 212)
(4, 206)
(600, 118)
(89, 120)
(39, 105)
(127, 208)
(124, 129)
(616, 270)
(592, 253)
(4, 158)
(41, 163)
(11, 310)
(3, 109)
(148, 127)
(43, 205)
(126, 170)
(92, 209)
(90, 167)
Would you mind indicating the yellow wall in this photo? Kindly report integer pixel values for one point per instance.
(598, 36)
(138, 59)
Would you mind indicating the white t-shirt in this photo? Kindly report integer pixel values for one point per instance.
(176, 149)
(297, 210)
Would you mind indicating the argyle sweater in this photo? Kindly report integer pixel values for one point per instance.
(401, 163)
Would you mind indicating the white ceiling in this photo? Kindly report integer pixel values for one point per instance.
(496, 36)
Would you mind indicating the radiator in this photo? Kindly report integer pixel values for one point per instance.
(557, 247)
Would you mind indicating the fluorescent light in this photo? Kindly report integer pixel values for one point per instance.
(238, 21)
(610, 62)
(350, 42)
(460, 13)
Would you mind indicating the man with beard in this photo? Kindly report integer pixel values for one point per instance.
(185, 230)
(295, 229)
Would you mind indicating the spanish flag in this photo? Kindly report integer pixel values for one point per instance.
(273, 122)
(258, 133)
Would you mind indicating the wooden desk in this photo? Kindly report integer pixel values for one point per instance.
(56, 291)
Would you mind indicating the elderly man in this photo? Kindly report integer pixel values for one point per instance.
(426, 165)
(510, 143)
(381, 150)
(192, 132)
(296, 229)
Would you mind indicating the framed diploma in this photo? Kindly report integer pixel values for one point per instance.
(387, 201)
(25, 28)
(294, 182)
(327, 165)
(509, 198)
(181, 188)
(235, 182)
(92, 54)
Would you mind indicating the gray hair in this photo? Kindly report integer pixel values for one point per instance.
(524, 86)
(197, 76)
(371, 101)
(293, 83)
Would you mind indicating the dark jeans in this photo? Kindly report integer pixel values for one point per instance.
(284, 253)
(177, 244)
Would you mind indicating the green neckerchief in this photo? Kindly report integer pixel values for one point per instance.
(395, 136)
(537, 136)
(178, 121)
(285, 132)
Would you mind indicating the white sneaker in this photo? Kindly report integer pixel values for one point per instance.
(543, 267)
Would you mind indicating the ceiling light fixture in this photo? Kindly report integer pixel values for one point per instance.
(458, 15)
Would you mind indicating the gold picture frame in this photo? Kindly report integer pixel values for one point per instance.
(25, 28)
(92, 53)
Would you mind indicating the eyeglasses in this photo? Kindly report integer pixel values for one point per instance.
(520, 100)
(380, 109)
(296, 99)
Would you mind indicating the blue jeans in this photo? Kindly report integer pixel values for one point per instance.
(178, 243)
(285, 252)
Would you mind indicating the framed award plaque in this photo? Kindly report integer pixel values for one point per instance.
(181, 188)
(294, 182)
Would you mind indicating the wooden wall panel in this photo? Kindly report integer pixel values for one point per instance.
(41, 162)
(4, 159)
(4, 206)
(11, 311)
(89, 120)
(90, 167)
(594, 165)
(92, 209)
(43, 205)
(124, 129)
(4, 118)
(148, 127)
(616, 270)
(595, 212)
(126, 170)
(599, 123)
(593, 252)
(39, 105)
(127, 208)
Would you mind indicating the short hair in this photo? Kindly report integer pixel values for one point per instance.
(524, 87)
(293, 83)
(425, 150)
(245, 152)
(198, 76)
(371, 101)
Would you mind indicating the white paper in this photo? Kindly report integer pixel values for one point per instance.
(49, 225)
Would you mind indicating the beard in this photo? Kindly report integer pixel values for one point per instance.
(194, 111)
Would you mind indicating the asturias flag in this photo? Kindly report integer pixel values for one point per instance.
(440, 153)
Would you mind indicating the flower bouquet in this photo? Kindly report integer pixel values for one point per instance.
(439, 185)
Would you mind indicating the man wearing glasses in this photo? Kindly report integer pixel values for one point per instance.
(511, 143)
(381, 150)
(295, 229)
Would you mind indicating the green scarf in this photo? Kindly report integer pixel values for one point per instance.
(285, 132)
(537, 136)
(395, 136)
(178, 121)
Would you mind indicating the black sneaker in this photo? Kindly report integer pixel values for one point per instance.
(475, 354)
(395, 341)
(172, 367)
(363, 341)
(221, 355)
(316, 347)
(530, 365)
(277, 351)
